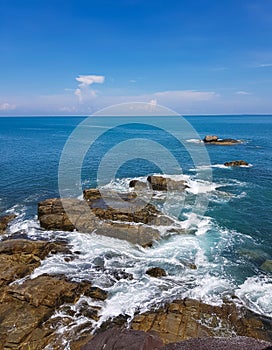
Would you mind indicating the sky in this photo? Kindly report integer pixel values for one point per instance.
(74, 57)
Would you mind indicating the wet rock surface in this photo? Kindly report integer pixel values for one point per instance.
(160, 183)
(117, 215)
(156, 272)
(4, 222)
(185, 319)
(235, 163)
(214, 140)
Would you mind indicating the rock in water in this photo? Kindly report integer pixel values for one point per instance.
(210, 138)
(236, 163)
(214, 140)
(160, 183)
(4, 221)
(123, 339)
(156, 272)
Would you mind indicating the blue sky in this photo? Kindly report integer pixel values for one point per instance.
(74, 57)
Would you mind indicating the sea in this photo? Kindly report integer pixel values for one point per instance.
(226, 210)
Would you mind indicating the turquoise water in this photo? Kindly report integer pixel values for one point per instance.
(229, 247)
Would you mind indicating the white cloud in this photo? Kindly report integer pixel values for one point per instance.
(186, 95)
(242, 93)
(153, 102)
(264, 65)
(7, 106)
(83, 91)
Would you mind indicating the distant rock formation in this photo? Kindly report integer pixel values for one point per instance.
(236, 163)
(161, 183)
(214, 140)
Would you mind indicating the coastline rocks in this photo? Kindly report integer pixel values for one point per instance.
(138, 185)
(160, 183)
(236, 163)
(156, 272)
(214, 140)
(230, 343)
(267, 266)
(4, 222)
(110, 214)
(185, 319)
(124, 339)
(19, 257)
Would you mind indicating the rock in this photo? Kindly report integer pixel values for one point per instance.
(19, 257)
(210, 138)
(156, 272)
(4, 221)
(160, 183)
(25, 308)
(123, 339)
(230, 343)
(214, 140)
(138, 185)
(185, 319)
(267, 265)
(96, 293)
(236, 163)
(104, 215)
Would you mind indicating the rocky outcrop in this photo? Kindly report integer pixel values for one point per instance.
(19, 257)
(214, 140)
(267, 266)
(138, 185)
(185, 319)
(156, 272)
(230, 343)
(236, 163)
(111, 214)
(26, 307)
(124, 339)
(4, 222)
(160, 183)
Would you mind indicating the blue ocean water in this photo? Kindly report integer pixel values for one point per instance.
(229, 247)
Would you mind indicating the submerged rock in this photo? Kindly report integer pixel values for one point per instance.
(138, 185)
(267, 265)
(156, 272)
(160, 183)
(236, 163)
(4, 222)
(214, 140)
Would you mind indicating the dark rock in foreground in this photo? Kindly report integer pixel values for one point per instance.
(236, 163)
(214, 140)
(156, 272)
(233, 343)
(4, 221)
(124, 339)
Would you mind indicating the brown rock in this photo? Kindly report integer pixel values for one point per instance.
(156, 272)
(210, 138)
(96, 293)
(185, 319)
(214, 140)
(138, 185)
(160, 183)
(236, 163)
(4, 221)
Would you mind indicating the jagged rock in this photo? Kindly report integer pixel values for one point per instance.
(230, 343)
(96, 293)
(123, 339)
(156, 272)
(4, 221)
(104, 215)
(160, 183)
(25, 307)
(236, 163)
(210, 138)
(138, 185)
(19, 257)
(185, 319)
(214, 140)
(267, 265)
